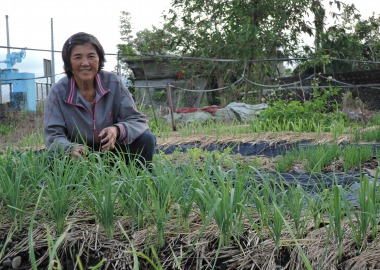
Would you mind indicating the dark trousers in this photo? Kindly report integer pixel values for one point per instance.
(140, 150)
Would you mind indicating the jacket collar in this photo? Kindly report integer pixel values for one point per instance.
(71, 95)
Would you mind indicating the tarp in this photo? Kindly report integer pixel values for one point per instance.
(209, 109)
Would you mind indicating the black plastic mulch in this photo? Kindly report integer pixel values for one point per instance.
(311, 183)
(252, 149)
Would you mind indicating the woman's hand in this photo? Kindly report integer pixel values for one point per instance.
(77, 151)
(109, 136)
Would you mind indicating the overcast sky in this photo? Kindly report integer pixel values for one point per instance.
(29, 24)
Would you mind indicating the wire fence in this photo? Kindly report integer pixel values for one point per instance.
(155, 75)
(170, 82)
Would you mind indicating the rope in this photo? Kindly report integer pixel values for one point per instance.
(226, 60)
(279, 85)
(208, 90)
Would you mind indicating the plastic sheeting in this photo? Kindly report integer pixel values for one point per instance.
(251, 149)
(313, 184)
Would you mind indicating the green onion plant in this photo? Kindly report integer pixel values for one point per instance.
(104, 185)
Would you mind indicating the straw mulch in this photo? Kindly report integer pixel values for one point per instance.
(268, 137)
(194, 247)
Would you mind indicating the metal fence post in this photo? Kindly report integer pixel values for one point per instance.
(1, 90)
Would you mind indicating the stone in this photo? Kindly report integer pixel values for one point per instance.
(225, 115)
(234, 111)
(370, 172)
(246, 112)
(16, 262)
(187, 118)
(7, 262)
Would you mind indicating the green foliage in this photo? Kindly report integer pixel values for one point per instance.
(315, 158)
(159, 95)
(194, 153)
(32, 139)
(62, 180)
(354, 155)
(243, 30)
(244, 25)
(372, 135)
(318, 108)
(375, 120)
(349, 38)
(5, 129)
(125, 27)
(318, 157)
(154, 40)
(365, 220)
(336, 217)
(18, 176)
(284, 163)
(158, 125)
(237, 200)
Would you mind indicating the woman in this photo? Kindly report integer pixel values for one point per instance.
(92, 109)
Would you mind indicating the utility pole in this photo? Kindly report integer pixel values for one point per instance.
(52, 54)
(8, 46)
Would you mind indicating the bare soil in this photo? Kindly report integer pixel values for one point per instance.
(23, 125)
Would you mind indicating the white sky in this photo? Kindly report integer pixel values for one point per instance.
(30, 24)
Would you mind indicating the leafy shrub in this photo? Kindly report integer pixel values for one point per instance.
(159, 95)
(321, 107)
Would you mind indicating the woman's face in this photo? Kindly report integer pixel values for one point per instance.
(84, 63)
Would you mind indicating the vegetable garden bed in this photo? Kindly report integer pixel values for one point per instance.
(197, 210)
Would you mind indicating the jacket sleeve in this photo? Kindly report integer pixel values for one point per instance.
(132, 124)
(54, 124)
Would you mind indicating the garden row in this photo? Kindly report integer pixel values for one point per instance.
(208, 212)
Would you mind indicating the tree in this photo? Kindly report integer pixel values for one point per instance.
(148, 41)
(351, 38)
(239, 29)
(126, 27)
(127, 48)
(155, 41)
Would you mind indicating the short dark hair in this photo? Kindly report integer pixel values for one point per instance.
(80, 39)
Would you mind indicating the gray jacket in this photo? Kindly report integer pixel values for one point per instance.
(69, 118)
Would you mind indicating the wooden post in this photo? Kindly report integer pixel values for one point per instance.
(169, 93)
(3, 113)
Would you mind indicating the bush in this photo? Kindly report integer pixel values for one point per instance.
(321, 107)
